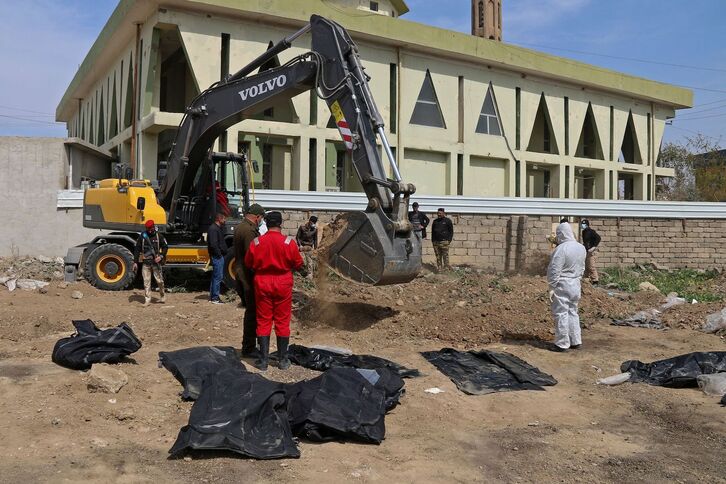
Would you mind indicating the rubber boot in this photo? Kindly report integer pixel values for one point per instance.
(261, 363)
(283, 362)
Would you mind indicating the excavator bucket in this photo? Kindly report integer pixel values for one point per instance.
(368, 250)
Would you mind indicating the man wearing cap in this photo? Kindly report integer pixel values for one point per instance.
(307, 235)
(151, 247)
(418, 220)
(273, 257)
(244, 234)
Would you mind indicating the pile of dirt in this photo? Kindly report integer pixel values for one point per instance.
(466, 306)
(40, 268)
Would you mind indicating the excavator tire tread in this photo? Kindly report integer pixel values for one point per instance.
(110, 267)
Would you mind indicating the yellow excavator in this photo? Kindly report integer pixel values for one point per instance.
(377, 245)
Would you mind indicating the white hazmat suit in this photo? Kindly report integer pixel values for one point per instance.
(566, 268)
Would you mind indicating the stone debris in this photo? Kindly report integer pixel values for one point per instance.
(647, 286)
(31, 284)
(77, 295)
(105, 378)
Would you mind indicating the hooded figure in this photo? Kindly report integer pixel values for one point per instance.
(567, 265)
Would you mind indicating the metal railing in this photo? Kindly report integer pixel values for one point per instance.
(346, 201)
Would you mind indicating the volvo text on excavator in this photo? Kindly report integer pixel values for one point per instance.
(377, 245)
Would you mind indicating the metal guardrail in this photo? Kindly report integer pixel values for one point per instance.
(345, 201)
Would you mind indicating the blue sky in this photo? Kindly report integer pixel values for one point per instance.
(683, 45)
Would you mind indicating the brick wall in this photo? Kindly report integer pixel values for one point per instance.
(517, 243)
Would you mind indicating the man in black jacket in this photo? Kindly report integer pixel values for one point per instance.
(151, 247)
(442, 232)
(418, 220)
(591, 241)
(217, 248)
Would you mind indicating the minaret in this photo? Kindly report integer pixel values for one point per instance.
(486, 19)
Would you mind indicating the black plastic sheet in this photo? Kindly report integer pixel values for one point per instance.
(241, 412)
(91, 345)
(344, 404)
(677, 372)
(245, 413)
(321, 360)
(482, 372)
(191, 366)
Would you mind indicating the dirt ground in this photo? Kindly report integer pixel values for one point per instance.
(55, 430)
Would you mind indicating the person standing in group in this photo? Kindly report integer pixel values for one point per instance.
(152, 247)
(273, 257)
(567, 265)
(591, 241)
(418, 220)
(217, 248)
(244, 234)
(442, 233)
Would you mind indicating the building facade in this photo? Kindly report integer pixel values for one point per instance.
(465, 115)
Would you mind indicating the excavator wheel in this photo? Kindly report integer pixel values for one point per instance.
(229, 277)
(110, 267)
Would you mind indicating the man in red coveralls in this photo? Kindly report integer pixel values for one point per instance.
(272, 257)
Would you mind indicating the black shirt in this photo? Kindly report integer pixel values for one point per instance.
(215, 241)
(590, 238)
(442, 229)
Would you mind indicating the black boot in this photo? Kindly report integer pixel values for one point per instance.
(283, 362)
(261, 363)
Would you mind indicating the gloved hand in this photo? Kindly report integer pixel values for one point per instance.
(551, 295)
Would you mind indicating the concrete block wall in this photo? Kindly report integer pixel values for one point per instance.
(515, 243)
(32, 170)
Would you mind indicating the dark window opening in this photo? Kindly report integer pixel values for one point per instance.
(101, 138)
(374, 6)
(177, 86)
(481, 15)
(461, 109)
(626, 187)
(630, 150)
(128, 101)
(488, 118)
(113, 127)
(427, 111)
(589, 144)
(340, 169)
(542, 139)
(612, 131)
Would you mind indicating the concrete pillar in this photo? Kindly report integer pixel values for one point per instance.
(453, 173)
(571, 182)
(300, 163)
(148, 149)
(320, 165)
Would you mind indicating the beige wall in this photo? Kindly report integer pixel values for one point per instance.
(433, 164)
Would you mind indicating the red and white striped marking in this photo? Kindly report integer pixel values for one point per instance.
(346, 134)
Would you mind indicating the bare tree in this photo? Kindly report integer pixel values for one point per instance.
(700, 171)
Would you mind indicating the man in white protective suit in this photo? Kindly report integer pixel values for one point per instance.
(566, 268)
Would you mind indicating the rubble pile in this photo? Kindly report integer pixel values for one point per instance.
(30, 272)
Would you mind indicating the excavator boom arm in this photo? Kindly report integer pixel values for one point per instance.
(378, 245)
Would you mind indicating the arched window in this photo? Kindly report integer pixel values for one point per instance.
(481, 14)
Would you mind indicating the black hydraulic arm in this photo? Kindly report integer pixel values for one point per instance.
(220, 107)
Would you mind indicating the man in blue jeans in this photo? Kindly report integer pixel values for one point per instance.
(217, 248)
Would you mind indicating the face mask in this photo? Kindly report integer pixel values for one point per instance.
(312, 226)
(584, 226)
